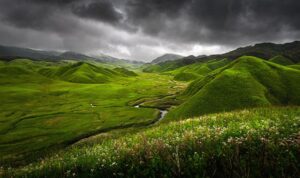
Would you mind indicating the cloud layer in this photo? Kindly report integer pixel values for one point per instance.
(142, 30)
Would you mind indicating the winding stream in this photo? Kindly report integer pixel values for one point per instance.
(162, 113)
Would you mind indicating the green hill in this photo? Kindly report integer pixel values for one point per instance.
(245, 82)
(266, 51)
(262, 50)
(166, 57)
(199, 69)
(186, 76)
(295, 66)
(169, 65)
(124, 71)
(81, 72)
(187, 70)
(13, 71)
(281, 60)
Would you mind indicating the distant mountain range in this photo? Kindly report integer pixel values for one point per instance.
(265, 51)
(290, 51)
(166, 57)
(262, 50)
(11, 52)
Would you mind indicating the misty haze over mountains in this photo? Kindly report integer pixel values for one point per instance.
(143, 30)
(262, 50)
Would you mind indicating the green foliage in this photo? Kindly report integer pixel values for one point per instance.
(246, 82)
(296, 66)
(186, 76)
(13, 70)
(43, 111)
(47, 106)
(169, 65)
(196, 70)
(162, 67)
(259, 142)
(80, 72)
(125, 72)
(281, 60)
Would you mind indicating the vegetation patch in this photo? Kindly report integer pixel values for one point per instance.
(246, 82)
(247, 143)
(40, 109)
(281, 60)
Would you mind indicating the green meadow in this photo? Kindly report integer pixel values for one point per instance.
(56, 105)
(210, 118)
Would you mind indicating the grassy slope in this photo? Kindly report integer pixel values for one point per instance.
(248, 143)
(38, 112)
(246, 82)
(281, 60)
(80, 73)
(295, 66)
(124, 71)
(189, 71)
(196, 70)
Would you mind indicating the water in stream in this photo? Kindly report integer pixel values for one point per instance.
(162, 112)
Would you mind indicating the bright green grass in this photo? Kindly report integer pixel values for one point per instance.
(295, 66)
(262, 142)
(39, 112)
(197, 70)
(81, 73)
(281, 60)
(188, 72)
(201, 68)
(186, 76)
(246, 82)
(124, 71)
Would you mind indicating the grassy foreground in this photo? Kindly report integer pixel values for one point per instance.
(262, 142)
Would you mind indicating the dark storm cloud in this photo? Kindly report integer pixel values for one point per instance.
(98, 10)
(37, 15)
(143, 28)
(52, 2)
(215, 21)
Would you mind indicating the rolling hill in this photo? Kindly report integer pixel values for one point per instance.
(245, 82)
(113, 123)
(281, 60)
(82, 72)
(196, 70)
(8, 53)
(169, 65)
(124, 71)
(70, 55)
(166, 57)
(262, 50)
(267, 51)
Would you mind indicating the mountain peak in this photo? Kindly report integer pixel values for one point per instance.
(166, 57)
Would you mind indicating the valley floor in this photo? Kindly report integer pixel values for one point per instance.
(47, 113)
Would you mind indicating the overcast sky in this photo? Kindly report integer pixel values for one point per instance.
(145, 29)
